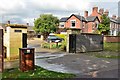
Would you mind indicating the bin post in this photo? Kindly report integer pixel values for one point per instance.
(26, 61)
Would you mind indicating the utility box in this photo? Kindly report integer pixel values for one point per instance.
(26, 59)
(15, 37)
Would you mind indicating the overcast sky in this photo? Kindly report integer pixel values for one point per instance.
(25, 11)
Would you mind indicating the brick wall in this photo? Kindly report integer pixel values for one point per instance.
(111, 38)
(77, 23)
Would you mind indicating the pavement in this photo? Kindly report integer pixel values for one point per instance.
(82, 65)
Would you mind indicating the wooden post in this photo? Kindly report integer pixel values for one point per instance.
(50, 44)
(1, 51)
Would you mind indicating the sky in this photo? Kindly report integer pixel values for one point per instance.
(25, 11)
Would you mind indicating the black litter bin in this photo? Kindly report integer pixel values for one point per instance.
(26, 59)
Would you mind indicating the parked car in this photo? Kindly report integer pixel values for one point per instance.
(53, 38)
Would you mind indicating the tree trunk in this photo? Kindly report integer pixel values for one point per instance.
(45, 35)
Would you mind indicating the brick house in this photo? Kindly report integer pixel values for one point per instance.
(87, 24)
(114, 25)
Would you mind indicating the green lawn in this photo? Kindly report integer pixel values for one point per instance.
(112, 46)
(37, 73)
(108, 56)
(111, 51)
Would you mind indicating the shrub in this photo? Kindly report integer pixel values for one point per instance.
(61, 36)
(118, 33)
(51, 45)
(63, 46)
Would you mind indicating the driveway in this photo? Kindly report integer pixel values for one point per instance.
(80, 64)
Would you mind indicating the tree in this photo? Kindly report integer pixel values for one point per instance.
(104, 26)
(46, 24)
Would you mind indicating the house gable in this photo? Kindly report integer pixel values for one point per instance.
(81, 18)
(74, 21)
(92, 24)
(92, 19)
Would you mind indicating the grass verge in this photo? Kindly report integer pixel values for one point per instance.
(105, 54)
(112, 46)
(108, 56)
(37, 73)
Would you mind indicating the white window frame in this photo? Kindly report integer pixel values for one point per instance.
(71, 23)
(62, 23)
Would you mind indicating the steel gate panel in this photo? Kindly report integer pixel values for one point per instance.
(85, 42)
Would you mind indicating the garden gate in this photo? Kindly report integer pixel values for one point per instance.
(85, 42)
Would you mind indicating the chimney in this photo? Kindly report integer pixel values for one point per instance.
(86, 14)
(106, 12)
(8, 22)
(95, 9)
(101, 11)
(27, 24)
(113, 16)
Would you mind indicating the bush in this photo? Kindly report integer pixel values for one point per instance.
(118, 33)
(62, 36)
(51, 45)
(63, 46)
(96, 32)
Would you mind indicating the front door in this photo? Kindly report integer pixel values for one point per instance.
(24, 40)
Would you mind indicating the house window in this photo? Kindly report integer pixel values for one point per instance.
(83, 25)
(93, 26)
(17, 30)
(97, 23)
(73, 23)
(62, 24)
